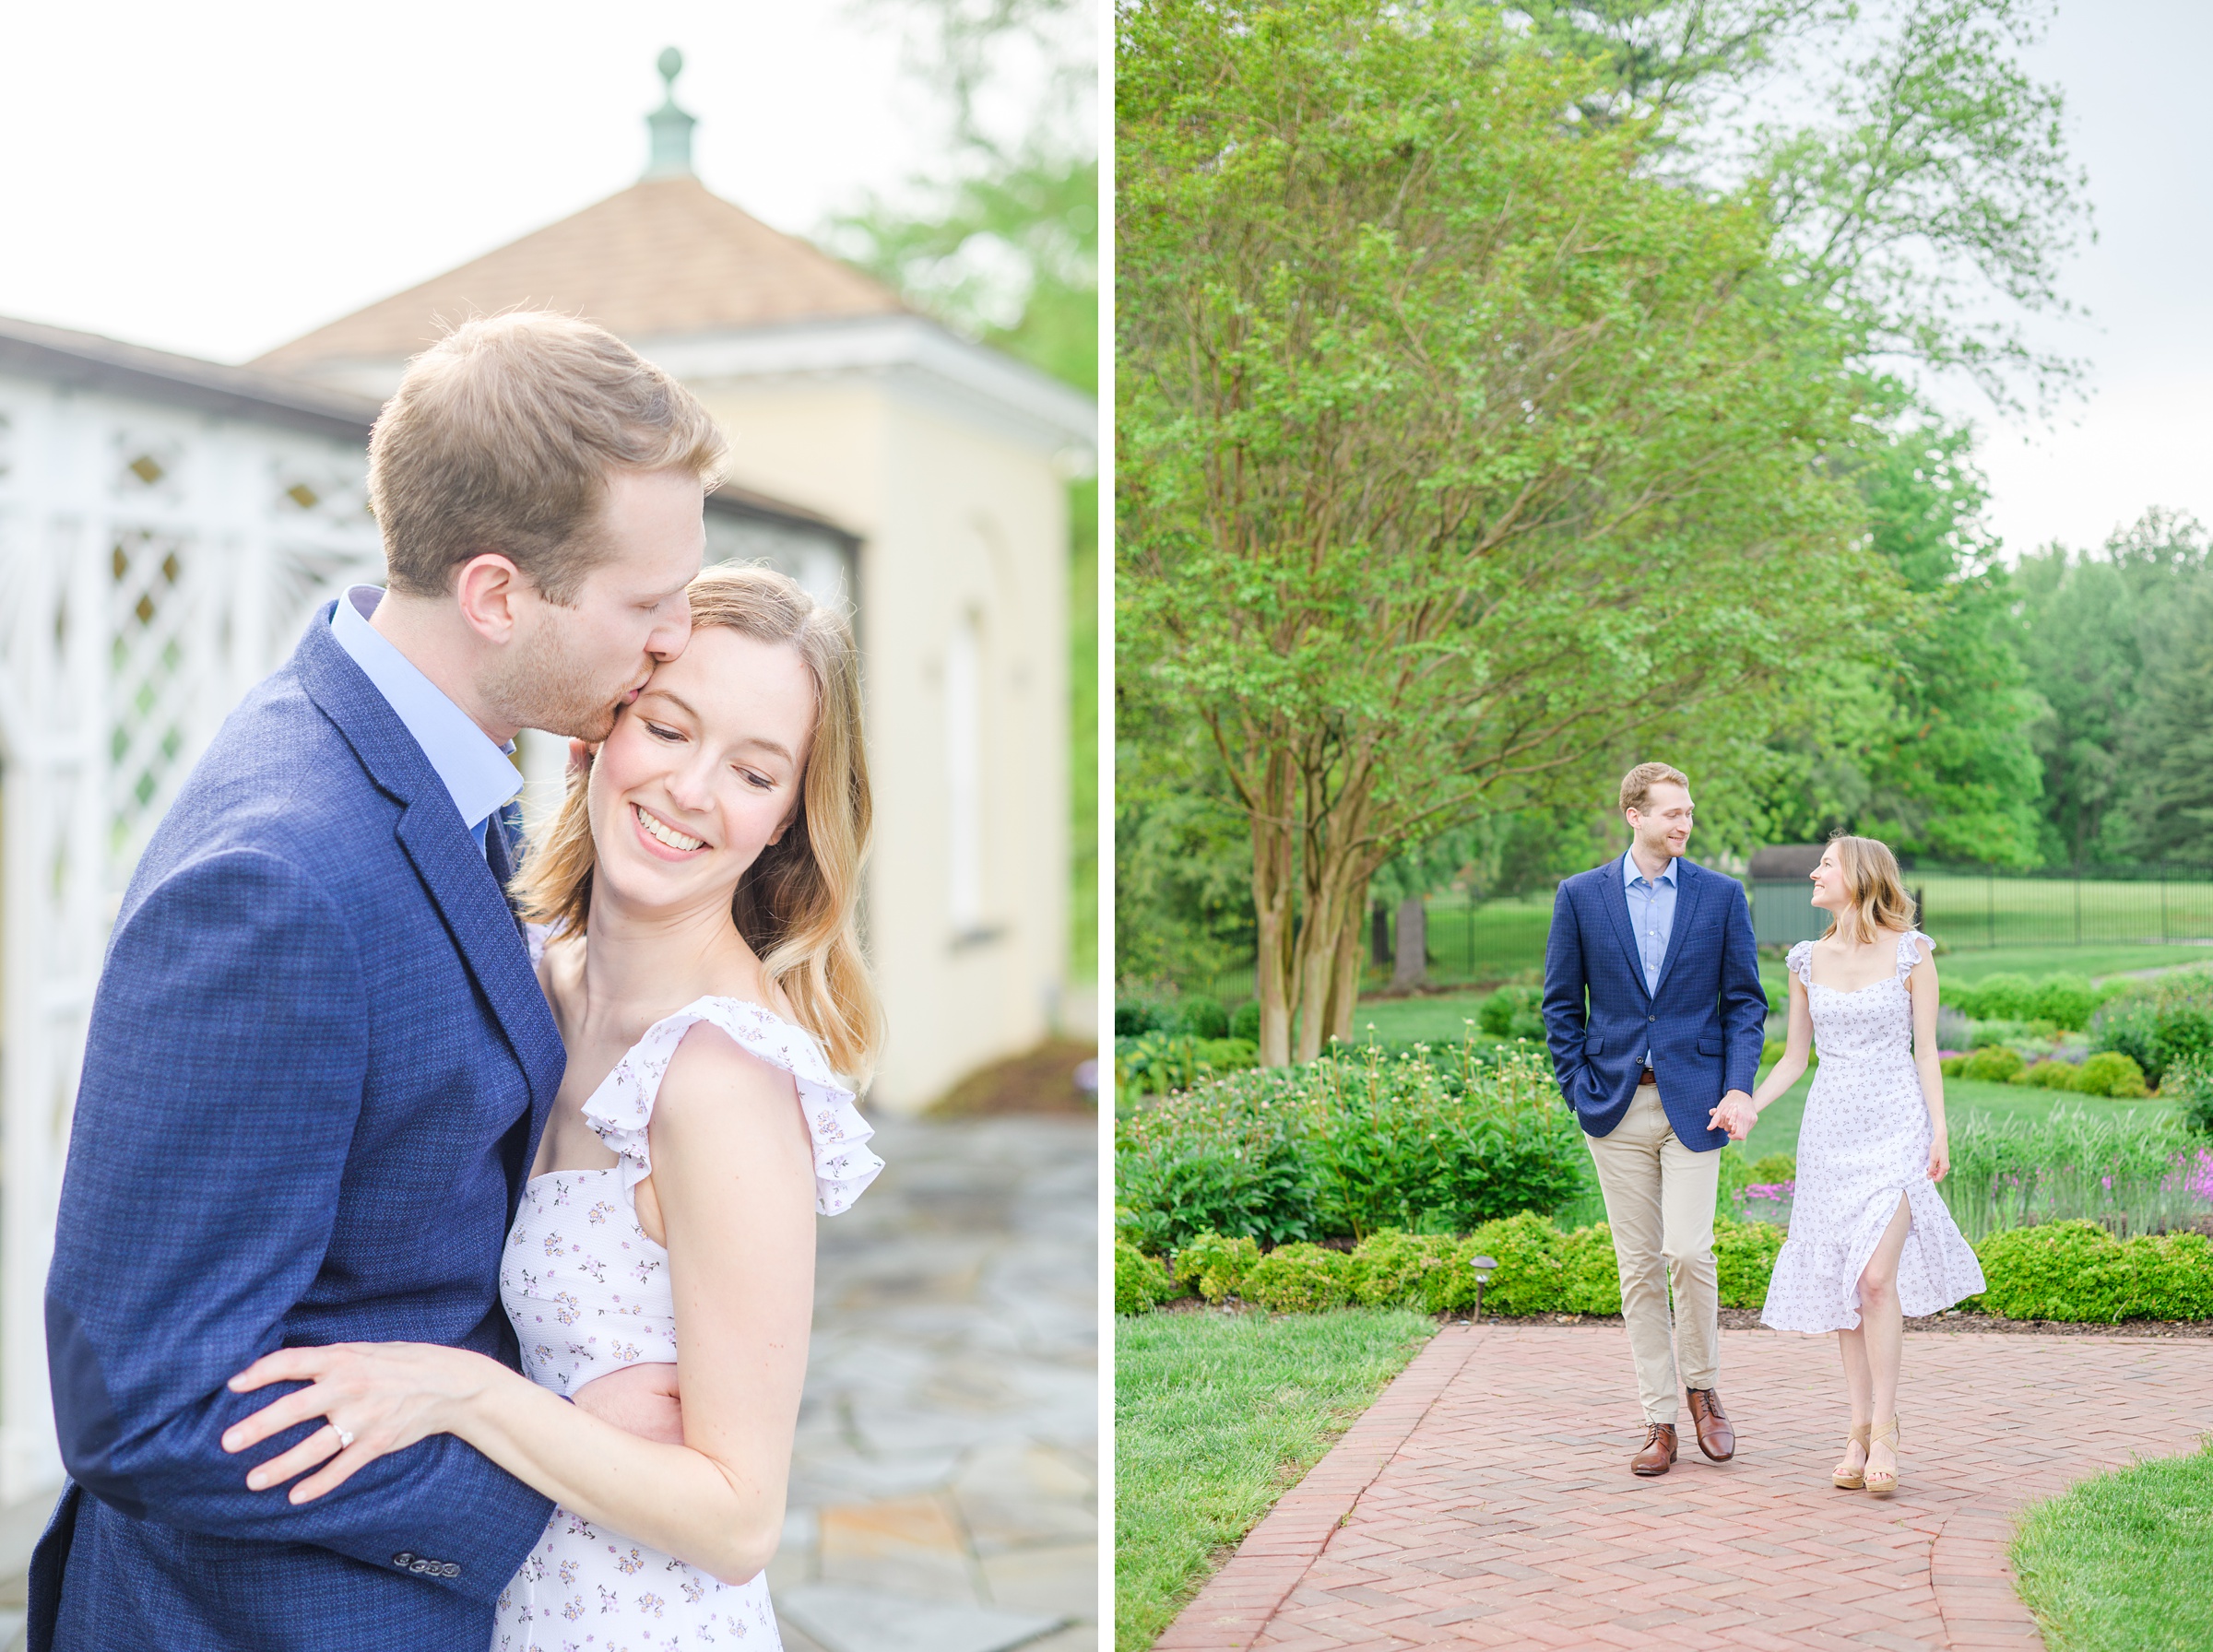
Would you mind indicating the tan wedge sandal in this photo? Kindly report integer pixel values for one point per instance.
(1882, 1484)
(1847, 1480)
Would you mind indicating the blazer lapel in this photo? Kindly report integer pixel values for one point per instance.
(446, 858)
(1688, 879)
(1617, 901)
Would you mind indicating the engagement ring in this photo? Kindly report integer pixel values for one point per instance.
(345, 1439)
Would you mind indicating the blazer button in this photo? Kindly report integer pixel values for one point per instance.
(451, 1569)
(404, 1559)
(1651, 1017)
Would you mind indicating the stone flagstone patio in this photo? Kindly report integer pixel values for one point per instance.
(944, 1495)
(1485, 1499)
(944, 1491)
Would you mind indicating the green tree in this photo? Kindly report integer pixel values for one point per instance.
(1182, 858)
(1455, 450)
(1928, 748)
(1937, 182)
(2085, 624)
(1005, 249)
(1922, 172)
(2169, 744)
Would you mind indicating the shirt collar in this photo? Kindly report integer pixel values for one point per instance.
(477, 774)
(1630, 874)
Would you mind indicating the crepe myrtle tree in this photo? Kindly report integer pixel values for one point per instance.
(1457, 453)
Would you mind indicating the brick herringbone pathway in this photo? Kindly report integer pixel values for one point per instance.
(1485, 1499)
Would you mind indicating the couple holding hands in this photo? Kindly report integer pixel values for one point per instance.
(1655, 1017)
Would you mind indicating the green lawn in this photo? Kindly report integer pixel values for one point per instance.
(1445, 1017)
(1968, 967)
(1215, 1417)
(1966, 913)
(2120, 1563)
(1778, 1130)
(1442, 1021)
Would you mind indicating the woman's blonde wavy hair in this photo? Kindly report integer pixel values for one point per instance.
(1878, 895)
(796, 904)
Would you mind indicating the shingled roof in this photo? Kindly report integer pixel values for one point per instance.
(665, 256)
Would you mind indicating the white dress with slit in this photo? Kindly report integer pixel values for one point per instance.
(588, 1294)
(1864, 1142)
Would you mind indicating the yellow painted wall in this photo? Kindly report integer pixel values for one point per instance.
(955, 518)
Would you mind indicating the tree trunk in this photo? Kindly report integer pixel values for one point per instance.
(1273, 886)
(1329, 940)
(1410, 967)
(1344, 978)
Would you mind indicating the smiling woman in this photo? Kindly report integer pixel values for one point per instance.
(699, 955)
(746, 749)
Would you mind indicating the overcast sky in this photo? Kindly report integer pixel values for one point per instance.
(220, 177)
(2132, 71)
(217, 179)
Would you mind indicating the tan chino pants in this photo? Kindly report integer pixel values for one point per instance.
(1660, 1206)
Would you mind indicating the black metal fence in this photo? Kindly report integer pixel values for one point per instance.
(1476, 941)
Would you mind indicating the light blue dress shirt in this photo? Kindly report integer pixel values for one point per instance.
(477, 774)
(1652, 916)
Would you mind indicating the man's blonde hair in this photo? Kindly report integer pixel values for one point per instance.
(501, 437)
(1638, 783)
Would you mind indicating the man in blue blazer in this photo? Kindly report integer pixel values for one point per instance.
(1654, 1014)
(319, 1061)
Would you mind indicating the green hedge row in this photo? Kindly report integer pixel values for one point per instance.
(2074, 1271)
(1541, 1270)
(2107, 1073)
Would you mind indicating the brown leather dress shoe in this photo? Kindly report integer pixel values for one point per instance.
(1659, 1449)
(1716, 1438)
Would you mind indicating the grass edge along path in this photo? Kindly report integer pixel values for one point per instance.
(2118, 1562)
(1218, 1415)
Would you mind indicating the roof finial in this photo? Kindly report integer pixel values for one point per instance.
(670, 126)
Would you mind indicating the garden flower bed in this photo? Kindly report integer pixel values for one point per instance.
(1373, 1177)
(1346, 1146)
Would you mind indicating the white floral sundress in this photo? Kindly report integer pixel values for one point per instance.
(588, 1294)
(1865, 1142)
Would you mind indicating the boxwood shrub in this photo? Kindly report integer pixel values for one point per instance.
(2079, 1272)
(1299, 1279)
(2072, 1272)
(1992, 1066)
(1141, 1282)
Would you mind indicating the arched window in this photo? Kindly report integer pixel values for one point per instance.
(965, 775)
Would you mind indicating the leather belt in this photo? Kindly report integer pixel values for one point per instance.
(1646, 1077)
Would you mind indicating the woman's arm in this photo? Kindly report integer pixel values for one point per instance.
(734, 1184)
(1790, 1067)
(1921, 984)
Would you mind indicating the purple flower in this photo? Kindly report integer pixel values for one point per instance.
(2192, 1173)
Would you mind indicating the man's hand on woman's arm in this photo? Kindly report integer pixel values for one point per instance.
(638, 1400)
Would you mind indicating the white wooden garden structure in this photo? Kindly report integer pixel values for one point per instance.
(166, 526)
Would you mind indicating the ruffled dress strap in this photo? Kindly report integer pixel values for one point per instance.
(1909, 952)
(1799, 961)
(620, 1109)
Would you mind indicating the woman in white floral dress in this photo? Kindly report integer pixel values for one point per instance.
(699, 886)
(1870, 1239)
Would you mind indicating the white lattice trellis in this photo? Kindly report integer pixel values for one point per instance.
(155, 561)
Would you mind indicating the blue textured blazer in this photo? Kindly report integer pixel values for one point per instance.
(314, 1077)
(1704, 1026)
